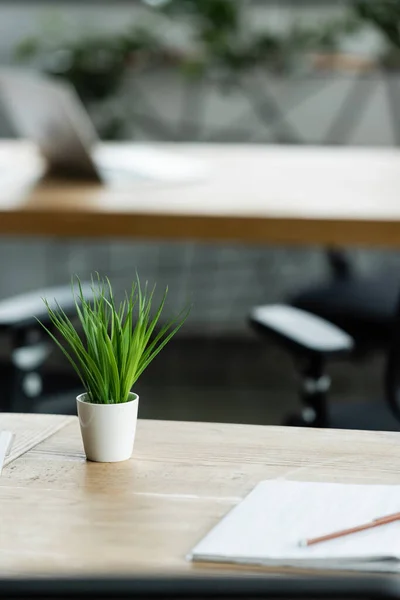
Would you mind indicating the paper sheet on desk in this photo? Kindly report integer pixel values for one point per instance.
(266, 527)
(145, 162)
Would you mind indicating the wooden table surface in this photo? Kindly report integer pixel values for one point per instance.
(251, 194)
(61, 514)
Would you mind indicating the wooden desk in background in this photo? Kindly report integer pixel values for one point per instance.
(253, 194)
(63, 515)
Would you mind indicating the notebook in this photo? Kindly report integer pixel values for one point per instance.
(267, 526)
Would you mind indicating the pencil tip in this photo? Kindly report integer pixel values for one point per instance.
(303, 543)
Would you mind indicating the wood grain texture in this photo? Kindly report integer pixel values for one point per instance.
(30, 430)
(252, 194)
(61, 514)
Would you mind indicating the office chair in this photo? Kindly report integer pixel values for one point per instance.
(312, 342)
(30, 346)
(363, 306)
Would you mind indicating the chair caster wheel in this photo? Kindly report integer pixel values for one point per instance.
(306, 418)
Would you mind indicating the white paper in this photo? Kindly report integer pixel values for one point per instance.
(150, 163)
(267, 526)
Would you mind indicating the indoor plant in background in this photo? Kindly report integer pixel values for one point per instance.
(116, 345)
(218, 51)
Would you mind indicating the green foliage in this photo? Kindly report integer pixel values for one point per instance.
(116, 347)
(214, 20)
(219, 26)
(383, 15)
(94, 64)
(27, 48)
(220, 41)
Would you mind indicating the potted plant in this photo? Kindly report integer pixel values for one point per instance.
(116, 345)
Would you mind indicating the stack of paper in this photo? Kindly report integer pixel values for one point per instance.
(268, 526)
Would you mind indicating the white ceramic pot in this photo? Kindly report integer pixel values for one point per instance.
(108, 430)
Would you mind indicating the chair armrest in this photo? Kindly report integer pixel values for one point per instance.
(300, 331)
(20, 311)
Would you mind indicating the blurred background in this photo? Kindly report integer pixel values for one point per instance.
(317, 72)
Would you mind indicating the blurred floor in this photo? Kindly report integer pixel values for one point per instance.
(232, 380)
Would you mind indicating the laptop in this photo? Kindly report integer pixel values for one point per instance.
(49, 112)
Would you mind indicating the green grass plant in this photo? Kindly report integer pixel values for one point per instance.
(117, 342)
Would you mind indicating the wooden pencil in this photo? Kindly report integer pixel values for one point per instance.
(337, 534)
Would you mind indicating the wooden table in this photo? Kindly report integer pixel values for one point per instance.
(252, 194)
(60, 514)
